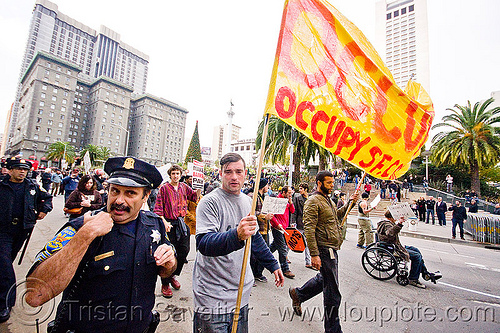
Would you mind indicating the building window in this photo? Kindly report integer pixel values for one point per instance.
(411, 8)
(388, 16)
(42, 103)
(396, 13)
(35, 137)
(40, 111)
(403, 11)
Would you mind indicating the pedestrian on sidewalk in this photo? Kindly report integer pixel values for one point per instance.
(473, 206)
(368, 186)
(365, 225)
(322, 223)
(279, 223)
(223, 225)
(22, 204)
(410, 182)
(430, 204)
(406, 188)
(449, 183)
(56, 182)
(458, 218)
(421, 209)
(441, 210)
(298, 203)
(172, 205)
(383, 189)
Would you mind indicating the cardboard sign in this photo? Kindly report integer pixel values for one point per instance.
(274, 205)
(402, 209)
(294, 240)
(196, 169)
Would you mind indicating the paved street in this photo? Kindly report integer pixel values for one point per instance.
(466, 299)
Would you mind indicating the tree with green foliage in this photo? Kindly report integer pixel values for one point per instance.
(194, 150)
(279, 136)
(98, 154)
(473, 141)
(61, 150)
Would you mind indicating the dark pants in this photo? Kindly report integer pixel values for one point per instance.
(46, 186)
(220, 323)
(382, 193)
(257, 267)
(179, 237)
(55, 189)
(430, 212)
(421, 215)
(441, 218)
(417, 263)
(326, 281)
(454, 227)
(279, 243)
(10, 244)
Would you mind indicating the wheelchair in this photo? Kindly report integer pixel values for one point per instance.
(381, 263)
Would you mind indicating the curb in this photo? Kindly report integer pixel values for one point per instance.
(438, 239)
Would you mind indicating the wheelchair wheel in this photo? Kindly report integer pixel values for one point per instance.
(402, 280)
(379, 263)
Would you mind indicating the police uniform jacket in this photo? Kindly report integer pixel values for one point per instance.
(35, 201)
(113, 287)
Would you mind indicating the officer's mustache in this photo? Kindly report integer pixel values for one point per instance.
(120, 207)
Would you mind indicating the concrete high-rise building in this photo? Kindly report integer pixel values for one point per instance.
(220, 137)
(246, 148)
(95, 53)
(157, 128)
(403, 41)
(58, 103)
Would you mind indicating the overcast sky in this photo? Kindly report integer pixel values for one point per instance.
(205, 53)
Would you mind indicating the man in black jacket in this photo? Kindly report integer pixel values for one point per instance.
(22, 203)
(459, 215)
(441, 209)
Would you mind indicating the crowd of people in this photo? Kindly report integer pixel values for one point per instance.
(128, 226)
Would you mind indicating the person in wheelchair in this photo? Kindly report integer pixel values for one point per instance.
(388, 232)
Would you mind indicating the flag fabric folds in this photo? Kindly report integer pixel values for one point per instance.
(329, 83)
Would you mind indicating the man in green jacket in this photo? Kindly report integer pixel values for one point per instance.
(323, 230)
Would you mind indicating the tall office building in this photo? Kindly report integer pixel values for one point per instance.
(157, 128)
(402, 39)
(220, 137)
(95, 53)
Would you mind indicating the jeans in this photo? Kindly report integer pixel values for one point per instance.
(220, 322)
(307, 254)
(441, 218)
(454, 226)
(417, 263)
(382, 193)
(279, 243)
(255, 265)
(430, 212)
(326, 281)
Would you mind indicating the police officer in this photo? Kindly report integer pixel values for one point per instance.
(22, 202)
(108, 271)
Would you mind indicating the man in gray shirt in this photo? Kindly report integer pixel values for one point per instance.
(223, 224)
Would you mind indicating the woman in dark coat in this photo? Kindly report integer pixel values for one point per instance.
(421, 209)
(85, 197)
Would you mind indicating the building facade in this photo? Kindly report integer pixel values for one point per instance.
(157, 128)
(59, 103)
(220, 137)
(403, 41)
(95, 53)
(246, 149)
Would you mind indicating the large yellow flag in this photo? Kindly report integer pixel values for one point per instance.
(330, 84)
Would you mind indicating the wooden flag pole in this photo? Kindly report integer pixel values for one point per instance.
(352, 202)
(248, 242)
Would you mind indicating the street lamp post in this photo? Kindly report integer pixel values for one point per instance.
(126, 139)
(426, 154)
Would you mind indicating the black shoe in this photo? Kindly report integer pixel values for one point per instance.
(4, 315)
(435, 276)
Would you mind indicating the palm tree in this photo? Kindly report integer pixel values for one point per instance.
(473, 140)
(98, 154)
(61, 150)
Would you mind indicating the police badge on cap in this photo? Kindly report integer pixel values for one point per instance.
(16, 162)
(130, 171)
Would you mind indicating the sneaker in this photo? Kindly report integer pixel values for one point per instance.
(175, 284)
(4, 315)
(417, 284)
(166, 291)
(311, 267)
(262, 279)
(435, 276)
(462, 238)
(295, 301)
(453, 237)
(360, 246)
(289, 274)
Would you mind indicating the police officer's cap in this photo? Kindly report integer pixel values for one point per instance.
(16, 162)
(130, 171)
